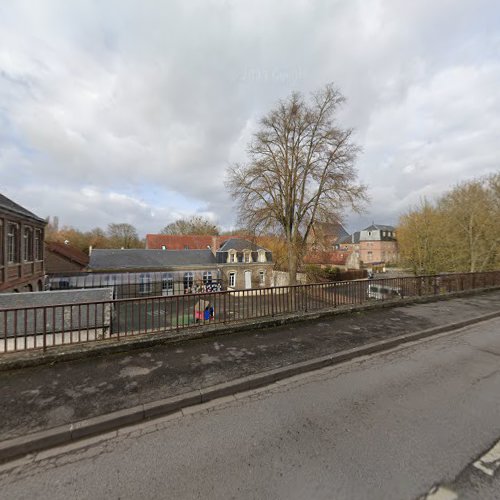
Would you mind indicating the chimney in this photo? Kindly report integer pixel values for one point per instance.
(214, 245)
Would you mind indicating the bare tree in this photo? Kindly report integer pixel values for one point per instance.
(193, 225)
(300, 169)
(123, 235)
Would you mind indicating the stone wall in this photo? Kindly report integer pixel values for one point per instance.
(55, 311)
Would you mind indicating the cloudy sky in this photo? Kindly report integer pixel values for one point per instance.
(130, 111)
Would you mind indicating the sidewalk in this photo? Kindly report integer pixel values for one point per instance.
(43, 397)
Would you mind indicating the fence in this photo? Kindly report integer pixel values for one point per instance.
(37, 327)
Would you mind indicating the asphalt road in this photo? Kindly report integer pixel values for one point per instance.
(388, 426)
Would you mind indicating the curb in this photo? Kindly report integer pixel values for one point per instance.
(17, 447)
(35, 357)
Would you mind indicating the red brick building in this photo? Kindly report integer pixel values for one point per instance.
(21, 248)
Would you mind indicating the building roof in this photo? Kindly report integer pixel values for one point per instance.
(351, 238)
(11, 206)
(138, 258)
(332, 229)
(338, 258)
(239, 245)
(381, 227)
(68, 251)
(180, 242)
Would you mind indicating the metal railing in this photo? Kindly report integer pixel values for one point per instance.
(44, 327)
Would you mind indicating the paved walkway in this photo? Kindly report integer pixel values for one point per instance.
(38, 398)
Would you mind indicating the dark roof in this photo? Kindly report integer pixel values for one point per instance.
(11, 206)
(351, 238)
(69, 252)
(185, 241)
(179, 242)
(239, 245)
(381, 227)
(138, 258)
(334, 229)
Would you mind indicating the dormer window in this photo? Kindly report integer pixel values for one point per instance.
(231, 256)
(247, 256)
(262, 256)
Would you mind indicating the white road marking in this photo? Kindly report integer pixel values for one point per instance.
(490, 461)
(440, 493)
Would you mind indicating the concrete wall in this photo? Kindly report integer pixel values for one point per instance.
(280, 278)
(37, 312)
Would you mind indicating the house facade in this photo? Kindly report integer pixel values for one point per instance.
(139, 272)
(244, 265)
(376, 244)
(21, 248)
(237, 264)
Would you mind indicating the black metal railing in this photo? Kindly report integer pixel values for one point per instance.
(43, 327)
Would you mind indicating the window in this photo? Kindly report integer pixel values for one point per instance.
(262, 278)
(232, 280)
(188, 280)
(232, 257)
(28, 244)
(38, 244)
(12, 243)
(262, 256)
(167, 283)
(207, 278)
(64, 284)
(145, 283)
(247, 257)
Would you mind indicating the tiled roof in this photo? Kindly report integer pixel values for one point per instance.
(185, 241)
(239, 245)
(381, 227)
(180, 242)
(149, 259)
(69, 252)
(331, 258)
(351, 238)
(335, 229)
(11, 206)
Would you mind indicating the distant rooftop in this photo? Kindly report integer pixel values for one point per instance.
(138, 258)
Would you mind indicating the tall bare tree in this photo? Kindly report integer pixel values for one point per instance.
(123, 235)
(300, 168)
(192, 225)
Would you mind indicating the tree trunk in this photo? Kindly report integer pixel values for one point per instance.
(292, 265)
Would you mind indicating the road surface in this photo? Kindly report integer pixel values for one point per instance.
(389, 426)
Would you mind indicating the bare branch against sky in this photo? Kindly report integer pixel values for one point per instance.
(131, 111)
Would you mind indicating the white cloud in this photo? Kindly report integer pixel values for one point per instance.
(145, 105)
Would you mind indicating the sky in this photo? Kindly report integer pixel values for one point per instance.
(131, 111)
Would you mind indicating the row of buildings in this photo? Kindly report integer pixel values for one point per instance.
(170, 264)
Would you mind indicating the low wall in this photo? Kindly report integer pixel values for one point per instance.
(280, 278)
(59, 311)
